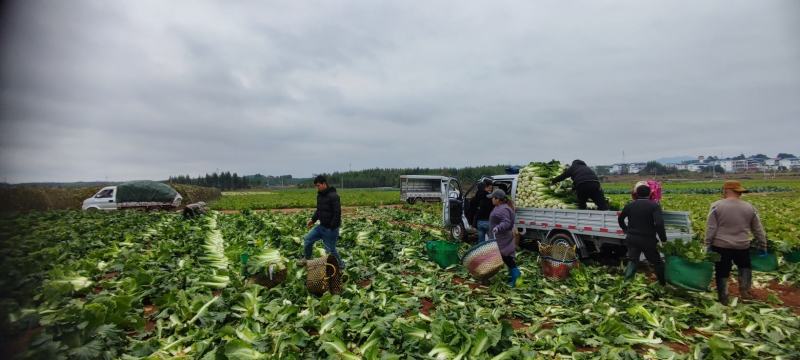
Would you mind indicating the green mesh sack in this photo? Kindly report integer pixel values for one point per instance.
(765, 263)
(145, 191)
(792, 256)
(443, 253)
(694, 276)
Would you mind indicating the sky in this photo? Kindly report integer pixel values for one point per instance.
(121, 90)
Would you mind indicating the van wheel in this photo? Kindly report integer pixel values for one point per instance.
(457, 232)
(92, 209)
(411, 201)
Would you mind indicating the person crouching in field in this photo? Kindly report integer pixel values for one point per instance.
(645, 221)
(501, 221)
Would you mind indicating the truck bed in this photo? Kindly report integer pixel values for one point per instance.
(596, 222)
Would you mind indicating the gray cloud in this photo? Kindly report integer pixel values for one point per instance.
(130, 90)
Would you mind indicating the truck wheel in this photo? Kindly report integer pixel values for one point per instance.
(458, 232)
(560, 238)
(411, 201)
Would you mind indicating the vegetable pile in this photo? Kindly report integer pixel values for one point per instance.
(534, 188)
(133, 285)
(693, 251)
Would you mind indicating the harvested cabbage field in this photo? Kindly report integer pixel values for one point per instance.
(136, 285)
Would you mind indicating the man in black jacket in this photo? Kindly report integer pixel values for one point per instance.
(482, 207)
(644, 222)
(586, 184)
(329, 214)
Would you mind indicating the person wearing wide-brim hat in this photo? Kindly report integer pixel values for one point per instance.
(501, 221)
(730, 223)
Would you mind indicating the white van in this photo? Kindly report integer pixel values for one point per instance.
(148, 195)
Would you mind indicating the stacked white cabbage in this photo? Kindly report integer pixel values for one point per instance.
(534, 188)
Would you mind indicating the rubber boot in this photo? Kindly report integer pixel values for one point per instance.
(515, 274)
(630, 271)
(662, 279)
(745, 282)
(722, 290)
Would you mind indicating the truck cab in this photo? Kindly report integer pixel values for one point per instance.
(458, 216)
(104, 199)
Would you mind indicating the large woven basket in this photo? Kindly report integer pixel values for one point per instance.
(556, 260)
(323, 275)
(483, 260)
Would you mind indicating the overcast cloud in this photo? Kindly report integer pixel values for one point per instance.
(121, 90)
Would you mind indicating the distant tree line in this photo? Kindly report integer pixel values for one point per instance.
(377, 177)
(224, 180)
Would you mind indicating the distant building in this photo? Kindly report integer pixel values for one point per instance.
(729, 165)
(619, 169)
(697, 167)
(635, 168)
(790, 163)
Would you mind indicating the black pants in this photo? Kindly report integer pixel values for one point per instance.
(650, 253)
(509, 260)
(740, 257)
(591, 190)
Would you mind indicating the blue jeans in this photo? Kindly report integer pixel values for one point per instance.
(328, 237)
(483, 228)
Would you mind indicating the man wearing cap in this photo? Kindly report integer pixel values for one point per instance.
(730, 223)
(645, 221)
(501, 221)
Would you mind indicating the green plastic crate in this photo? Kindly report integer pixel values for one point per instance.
(689, 275)
(768, 263)
(792, 257)
(443, 253)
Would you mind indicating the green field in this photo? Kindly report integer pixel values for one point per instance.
(301, 198)
(150, 285)
(136, 285)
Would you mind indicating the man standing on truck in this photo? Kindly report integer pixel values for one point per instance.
(645, 221)
(730, 222)
(329, 214)
(482, 206)
(586, 184)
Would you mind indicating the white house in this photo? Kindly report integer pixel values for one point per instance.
(619, 169)
(727, 165)
(790, 163)
(696, 167)
(634, 168)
